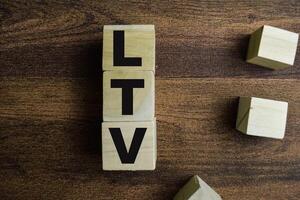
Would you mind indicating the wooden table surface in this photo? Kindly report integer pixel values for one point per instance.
(51, 99)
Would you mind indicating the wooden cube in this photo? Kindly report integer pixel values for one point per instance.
(196, 189)
(272, 47)
(128, 96)
(128, 47)
(262, 117)
(129, 145)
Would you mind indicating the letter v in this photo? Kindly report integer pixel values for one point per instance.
(127, 156)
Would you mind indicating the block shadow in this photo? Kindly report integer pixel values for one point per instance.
(94, 95)
(84, 132)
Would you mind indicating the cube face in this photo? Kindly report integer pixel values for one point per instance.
(253, 46)
(128, 96)
(196, 189)
(243, 114)
(262, 117)
(139, 139)
(272, 47)
(129, 47)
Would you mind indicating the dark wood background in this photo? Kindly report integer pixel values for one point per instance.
(50, 100)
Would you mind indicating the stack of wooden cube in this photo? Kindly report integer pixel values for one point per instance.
(129, 127)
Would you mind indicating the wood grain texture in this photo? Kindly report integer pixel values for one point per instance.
(199, 39)
(50, 100)
(50, 141)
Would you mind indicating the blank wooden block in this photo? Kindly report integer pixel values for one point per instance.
(272, 47)
(128, 96)
(196, 189)
(129, 145)
(128, 47)
(262, 117)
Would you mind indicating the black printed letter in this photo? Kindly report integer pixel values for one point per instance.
(127, 156)
(127, 86)
(119, 52)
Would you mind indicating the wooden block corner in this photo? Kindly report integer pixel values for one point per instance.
(196, 188)
(262, 117)
(272, 47)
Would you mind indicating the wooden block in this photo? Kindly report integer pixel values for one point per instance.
(128, 96)
(262, 117)
(196, 189)
(129, 145)
(272, 47)
(128, 47)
